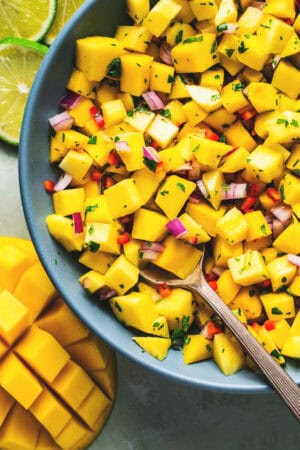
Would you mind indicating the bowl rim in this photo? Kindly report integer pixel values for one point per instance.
(254, 385)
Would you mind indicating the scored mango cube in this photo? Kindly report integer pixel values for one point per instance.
(14, 317)
(90, 353)
(41, 351)
(248, 268)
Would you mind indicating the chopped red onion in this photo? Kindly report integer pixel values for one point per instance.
(277, 228)
(151, 153)
(63, 181)
(154, 246)
(69, 101)
(194, 198)
(122, 146)
(77, 222)
(294, 259)
(258, 5)
(153, 100)
(202, 188)
(165, 53)
(106, 294)
(282, 213)
(148, 255)
(62, 121)
(234, 191)
(176, 228)
(218, 270)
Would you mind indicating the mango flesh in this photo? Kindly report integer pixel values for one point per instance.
(47, 400)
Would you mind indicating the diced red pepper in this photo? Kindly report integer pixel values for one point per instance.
(210, 329)
(264, 284)
(288, 20)
(209, 134)
(211, 276)
(253, 190)
(248, 114)
(108, 182)
(192, 240)
(269, 325)
(124, 238)
(126, 219)
(247, 204)
(113, 158)
(214, 285)
(255, 326)
(95, 175)
(164, 290)
(97, 116)
(49, 185)
(273, 194)
(159, 167)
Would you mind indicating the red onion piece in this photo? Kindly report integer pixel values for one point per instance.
(122, 146)
(202, 188)
(77, 222)
(165, 53)
(294, 259)
(282, 213)
(154, 246)
(151, 153)
(63, 181)
(148, 255)
(234, 191)
(176, 228)
(62, 121)
(153, 100)
(194, 198)
(277, 228)
(258, 5)
(106, 294)
(69, 101)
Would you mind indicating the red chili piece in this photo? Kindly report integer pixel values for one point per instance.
(164, 290)
(49, 185)
(124, 238)
(273, 194)
(247, 204)
(95, 175)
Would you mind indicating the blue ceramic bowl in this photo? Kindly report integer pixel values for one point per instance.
(94, 17)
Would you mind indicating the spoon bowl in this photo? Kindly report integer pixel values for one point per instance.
(277, 377)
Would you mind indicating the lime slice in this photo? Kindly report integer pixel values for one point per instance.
(65, 9)
(28, 19)
(19, 62)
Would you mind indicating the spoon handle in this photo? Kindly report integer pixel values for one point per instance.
(277, 377)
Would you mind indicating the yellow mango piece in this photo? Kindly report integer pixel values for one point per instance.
(160, 16)
(220, 119)
(252, 52)
(149, 225)
(264, 163)
(99, 261)
(123, 198)
(98, 147)
(288, 241)
(228, 354)
(194, 113)
(95, 407)
(185, 54)
(68, 201)
(178, 190)
(41, 351)
(122, 275)
(248, 268)
(135, 73)
(205, 215)
(155, 346)
(35, 290)
(179, 31)
(92, 281)
(162, 130)
(6, 403)
(13, 262)
(50, 412)
(76, 164)
(79, 83)
(133, 37)
(19, 431)
(248, 301)
(81, 113)
(281, 272)
(227, 288)
(214, 181)
(90, 353)
(14, 317)
(95, 53)
(19, 381)
(238, 136)
(249, 20)
(174, 253)
(197, 348)
(176, 306)
(291, 347)
(286, 79)
(257, 226)
(280, 333)
(232, 227)
(278, 305)
(195, 232)
(73, 435)
(103, 237)
(289, 188)
(62, 323)
(106, 379)
(208, 152)
(45, 441)
(161, 77)
(223, 250)
(232, 96)
(209, 99)
(267, 342)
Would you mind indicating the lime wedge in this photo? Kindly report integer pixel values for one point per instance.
(19, 62)
(65, 9)
(28, 19)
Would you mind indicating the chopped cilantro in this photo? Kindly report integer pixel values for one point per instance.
(178, 37)
(193, 39)
(276, 311)
(181, 186)
(92, 140)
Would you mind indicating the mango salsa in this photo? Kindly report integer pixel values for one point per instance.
(186, 132)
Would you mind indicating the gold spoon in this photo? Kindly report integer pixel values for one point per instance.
(278, 378)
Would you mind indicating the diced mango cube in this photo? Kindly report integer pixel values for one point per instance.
(257, 225)
(228, 354)
(76, 164)
(177, 306)
(6, 403)
(278, 305)
(249, 302)
(92, 281)
(122, 275)
(68, 201)
(289, 240)
(160, 16)
(227, 288)
(133, 156)
(62, 229)
(149, 225)
(248, 268)
(232, 227)
(135, 73)
(173, 194)
(13, 262)
(264, 163)
(205, 215)
(286, 78)
(162, 77)
(123, 198)
(134, 38)
(155, 346)
(162, 130)
(103, 237)
(197, 348)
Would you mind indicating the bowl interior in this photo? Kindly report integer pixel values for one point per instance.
(94, 17)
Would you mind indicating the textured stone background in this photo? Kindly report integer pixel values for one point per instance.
(153, 413)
